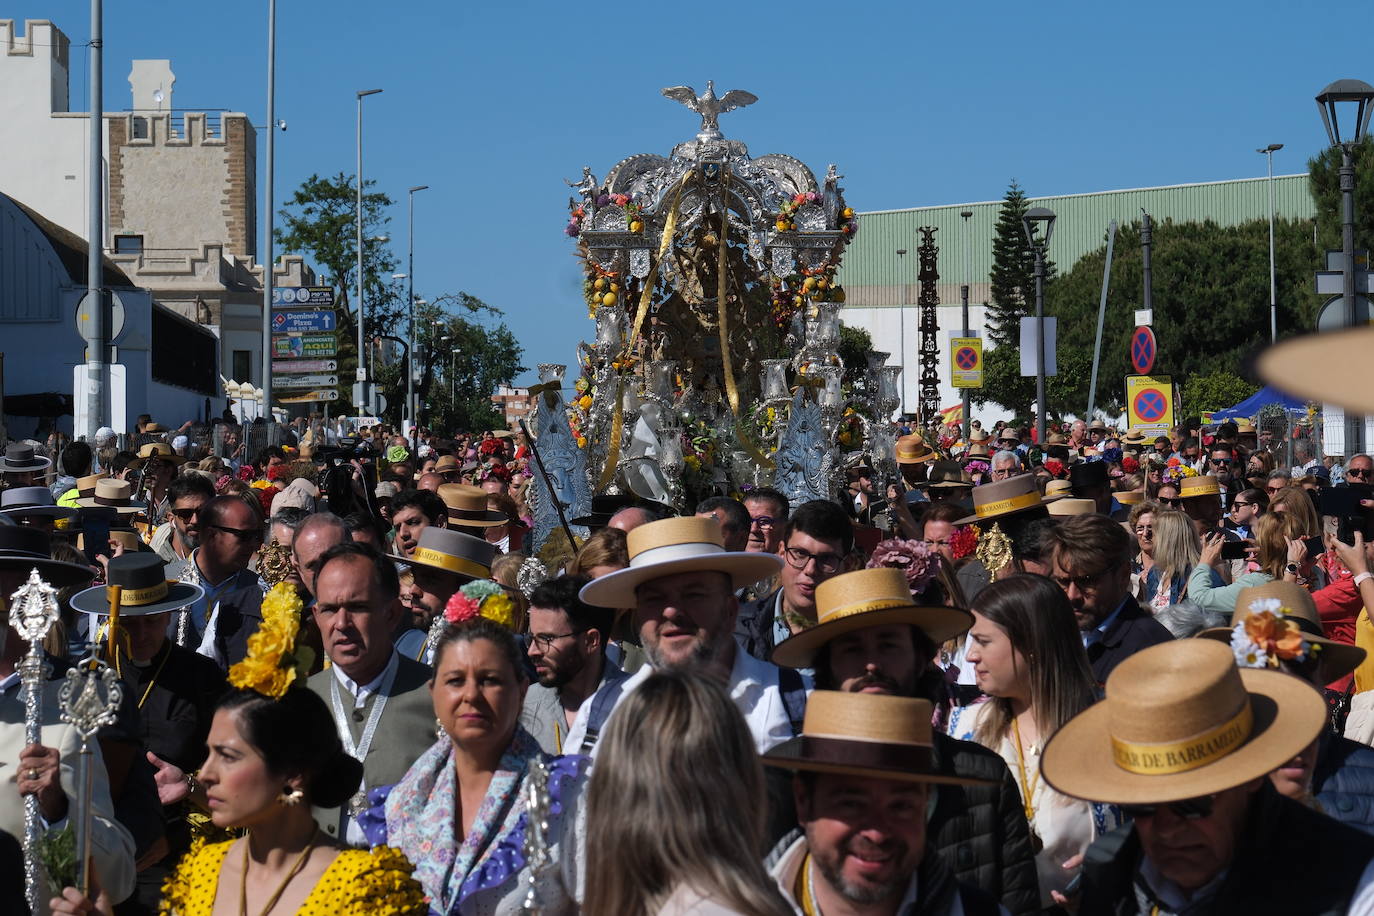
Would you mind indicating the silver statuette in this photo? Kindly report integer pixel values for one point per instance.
(90, 700)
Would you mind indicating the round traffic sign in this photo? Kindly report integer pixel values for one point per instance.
(1151, 405)
(86, 311)
(1143, 350)
(966, 358)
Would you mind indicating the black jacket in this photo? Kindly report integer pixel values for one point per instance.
(240, 615)
(1132, 631)
(1289, 860)
(754, 626)
(980, 831)
(1343, 780)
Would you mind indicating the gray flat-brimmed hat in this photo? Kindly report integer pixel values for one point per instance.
(20, 457)
(18, 502)
(452, 552)
(24, 548)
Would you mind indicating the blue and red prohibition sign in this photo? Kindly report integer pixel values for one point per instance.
(967, 358)
(1151, 405)
(1143, 350)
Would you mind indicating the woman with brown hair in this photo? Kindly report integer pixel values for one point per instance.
(1276, 550)
(1294, 501)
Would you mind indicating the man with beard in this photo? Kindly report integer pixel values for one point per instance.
(680, 585)
(567, 645)
(874, 638)
(412, 511)
(175, 539)
(863, 783)
(442, 562)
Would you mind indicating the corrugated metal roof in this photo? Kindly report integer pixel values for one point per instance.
(874, 275)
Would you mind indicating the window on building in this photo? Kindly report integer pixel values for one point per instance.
(243, 366)
(128, 244)
(140, 128)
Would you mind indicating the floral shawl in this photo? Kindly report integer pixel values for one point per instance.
(417, 815)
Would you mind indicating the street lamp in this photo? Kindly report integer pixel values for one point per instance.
(901, 318)
(362, 351)
(965, 401)
(1269, 152)
(1031, 222)
(410, 299)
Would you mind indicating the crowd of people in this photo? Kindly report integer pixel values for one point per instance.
(1104, 673)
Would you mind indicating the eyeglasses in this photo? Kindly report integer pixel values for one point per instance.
(1221, 461)
(1241, 504)
(1359, 472)
(766, 522)
(1145, 531)
(545, 640)
(1176, 502)
(1190, 809)
(186, 514)
(1083, 583)
(1272, 490)
(242, 535)
(826, 563)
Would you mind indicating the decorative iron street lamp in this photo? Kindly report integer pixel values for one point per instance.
(1032, 222)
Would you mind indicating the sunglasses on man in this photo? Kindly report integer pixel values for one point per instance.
(1190, 809)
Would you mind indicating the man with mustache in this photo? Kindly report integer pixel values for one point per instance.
(872, 637)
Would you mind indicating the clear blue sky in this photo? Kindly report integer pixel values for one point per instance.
(494, 104)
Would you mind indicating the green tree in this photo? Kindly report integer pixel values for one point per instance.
(855, 345)
(1212, 391)
(319, 223)
(463, 358)
(1324, 183)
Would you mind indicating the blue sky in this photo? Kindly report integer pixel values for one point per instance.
(494, 104)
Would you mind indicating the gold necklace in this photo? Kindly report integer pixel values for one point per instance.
(281, 888)
(1027, 787)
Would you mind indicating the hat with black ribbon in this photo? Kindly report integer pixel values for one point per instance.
(143, 588)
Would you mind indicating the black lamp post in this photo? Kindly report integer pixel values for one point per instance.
(1032, 222)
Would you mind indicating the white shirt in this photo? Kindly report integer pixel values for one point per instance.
(361, 692)
(754, 688)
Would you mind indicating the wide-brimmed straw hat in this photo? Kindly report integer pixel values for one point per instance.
(452, 552)
(912, 449)
(18, 502)
(23, 548)
(20, 458)
(1005, 497)
(865, 734)
(1290, 601)
(1180, 721)
(112, 494)
(445, 464)
(944, 475)
(672, 546)
(1202, 485)
(1129, 497)
(467, 506)
(156, 451)
(145, 590)
(85, 486)
(1133, 437)
(1010, 435)
(1058, 488)
(1332, 368)
(867, 598)
(1072, 506)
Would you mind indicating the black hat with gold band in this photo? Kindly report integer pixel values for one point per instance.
(452, 552)
(144, 588)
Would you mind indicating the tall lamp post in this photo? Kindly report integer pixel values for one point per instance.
(410, 410)
(1345, 93)
(1031, 222)
(966, 400)
(901, 321)
(268, 275)
(365, 388)
(1269, 152)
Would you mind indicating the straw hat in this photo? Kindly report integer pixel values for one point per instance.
(1331, 368)
(1179, 721)
(85, 486)
(672, 546)
(912, 449)
(1133, 437)
(944, 475)
(1129, 497)
(867, 598)
(1009, 435)
(1058, 488)
(445, 464)
(452, 552)
(143, 578)
(1203, 485)
(20, 457)
(1293, 602)
(127, 538)
(1005, 497)
(467, 506)
(1245, 427)
(23, 549)
(18, 502)
(1072, 506)
(1056, 439)
(977, 436)
(112, 494)
(160, 451)
(865, 734)
(978, 452)
(1098, 424)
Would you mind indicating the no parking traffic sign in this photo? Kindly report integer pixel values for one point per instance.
(966, 362)
(1149, 401)
(1144, 348)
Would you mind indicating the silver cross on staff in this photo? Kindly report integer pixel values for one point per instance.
(33, 610)
(88, 711)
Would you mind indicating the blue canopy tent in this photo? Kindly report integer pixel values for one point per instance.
(1256, 402)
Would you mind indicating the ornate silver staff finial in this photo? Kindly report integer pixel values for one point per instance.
(537, 830)
(33, 610)
(88, 712)
(709, 106)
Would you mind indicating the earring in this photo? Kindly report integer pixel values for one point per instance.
(290, 799)
(438, 728)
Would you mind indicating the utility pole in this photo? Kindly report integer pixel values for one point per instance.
(967, 403)
(98, 396)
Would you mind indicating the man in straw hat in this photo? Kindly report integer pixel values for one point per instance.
(680, 592)
(1006, 513)
(1183, 743)
(913, 460)
(48, 769)
(467, 509)
(862, 786)
(442, 562)
(873, 637)
(1091, 556)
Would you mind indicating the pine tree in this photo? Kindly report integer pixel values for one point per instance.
(1013, 271)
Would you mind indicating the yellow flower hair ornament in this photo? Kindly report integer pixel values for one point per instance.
(481, 597)
(274, 661)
